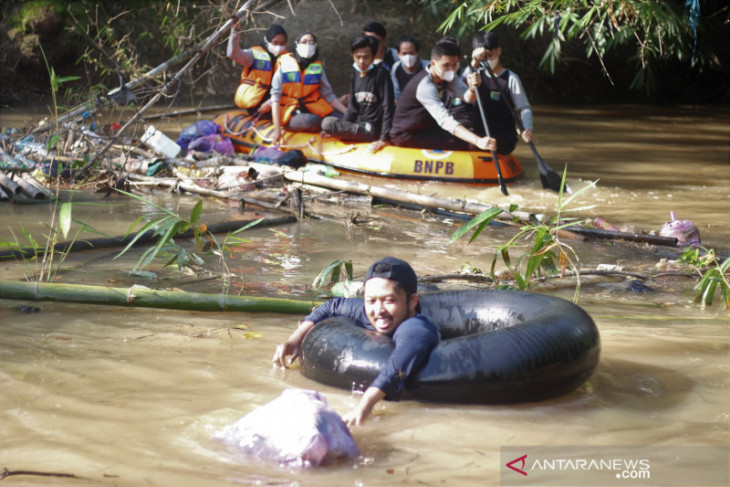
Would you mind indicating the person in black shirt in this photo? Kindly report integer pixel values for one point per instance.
(369, 114)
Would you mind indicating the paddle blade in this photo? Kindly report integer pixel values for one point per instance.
(550, 179)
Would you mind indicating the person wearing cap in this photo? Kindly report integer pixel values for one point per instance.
(258, 64)
(485, 46)
(422, 117)
(387, 56)
(390, 307)
(370, 111)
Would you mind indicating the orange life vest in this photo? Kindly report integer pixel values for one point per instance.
(255, 79)
(301, 88)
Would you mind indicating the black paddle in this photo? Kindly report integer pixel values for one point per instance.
(494, 152)
(548, 176)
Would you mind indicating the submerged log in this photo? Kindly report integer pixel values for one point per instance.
(144, 297)
(404, 196)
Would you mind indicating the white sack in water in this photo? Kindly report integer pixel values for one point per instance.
(297, 428)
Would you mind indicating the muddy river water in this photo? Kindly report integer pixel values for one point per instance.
(132, 397)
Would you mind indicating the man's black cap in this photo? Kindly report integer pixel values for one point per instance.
(396, 270)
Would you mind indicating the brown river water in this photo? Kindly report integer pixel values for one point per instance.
(133, 396)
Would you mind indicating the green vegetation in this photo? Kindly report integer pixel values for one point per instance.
(714, 275)
(647, 33)
(166, 225)
(539, 243)
(339, 270)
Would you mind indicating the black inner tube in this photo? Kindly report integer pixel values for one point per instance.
(497, 347)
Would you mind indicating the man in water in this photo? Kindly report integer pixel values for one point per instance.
(390, 307)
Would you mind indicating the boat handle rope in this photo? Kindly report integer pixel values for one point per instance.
(261, 136)
(333, 153)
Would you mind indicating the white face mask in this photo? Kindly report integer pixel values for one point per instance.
(493, 62)
(306, 50)
(274, 49)
(447, 75)
(409, 60)
(362, 71)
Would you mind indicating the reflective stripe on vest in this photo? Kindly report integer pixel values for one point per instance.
(298, 87)
(255, 79)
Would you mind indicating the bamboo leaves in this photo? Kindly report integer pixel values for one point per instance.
(166, 225)
(655, 30)
(714, 277)
(333, 272)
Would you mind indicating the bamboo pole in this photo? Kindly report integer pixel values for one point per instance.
(192, 111)
(10, 185)
(147, 237)
(403, 196)
(143, 297)
(627, 236)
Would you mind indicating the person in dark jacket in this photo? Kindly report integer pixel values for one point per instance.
(369, 114)
(390, 307)
(434, 111)
(485, 46)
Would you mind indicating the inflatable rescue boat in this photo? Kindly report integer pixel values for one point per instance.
(475, 167)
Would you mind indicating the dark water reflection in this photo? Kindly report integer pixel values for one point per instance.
(133, 396)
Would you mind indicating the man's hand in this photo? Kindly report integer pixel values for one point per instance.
(478, 55)
(473, 80)
(284, 350)
(355, 417)
(377, 145)
(487, 143)
(527, 135)
(292, 347)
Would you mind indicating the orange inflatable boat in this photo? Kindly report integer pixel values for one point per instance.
(395, 162)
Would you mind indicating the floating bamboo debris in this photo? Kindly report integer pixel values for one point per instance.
(618, 235)
(9, 185)
(144, 297)
(404, 196)
(147, 237)
(166, 90)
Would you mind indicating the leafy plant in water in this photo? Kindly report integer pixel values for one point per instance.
(45, 253)
(542, 249)
(167, 226)
(339, 270)
(714, 276)
(56, 83)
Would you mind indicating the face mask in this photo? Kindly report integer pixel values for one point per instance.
(409, 60)
(306, 50)
(274, 49)
(447, 75)
(362, 71)
(493, 62)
